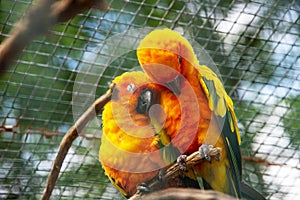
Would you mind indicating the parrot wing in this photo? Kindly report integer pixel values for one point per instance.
(221, 105)
(169, 153)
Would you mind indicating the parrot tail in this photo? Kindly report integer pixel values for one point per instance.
(249, 193)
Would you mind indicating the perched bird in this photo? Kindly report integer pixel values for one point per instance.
(131, 150)
(206, 114)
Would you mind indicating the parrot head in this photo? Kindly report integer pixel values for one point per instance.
(166, 57)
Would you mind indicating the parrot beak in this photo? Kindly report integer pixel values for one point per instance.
(175, 85)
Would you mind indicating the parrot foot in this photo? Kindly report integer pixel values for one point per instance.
(181, 162)
(204, 150)
(143, 189)
(161, 174)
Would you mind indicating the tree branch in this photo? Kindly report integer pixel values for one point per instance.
(38, 21)
(70, 136)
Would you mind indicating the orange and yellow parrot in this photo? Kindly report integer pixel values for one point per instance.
(205, 114)
(131, 148)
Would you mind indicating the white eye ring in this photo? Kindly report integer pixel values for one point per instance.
(131, 88)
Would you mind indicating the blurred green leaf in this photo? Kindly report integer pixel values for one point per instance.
(291, 120)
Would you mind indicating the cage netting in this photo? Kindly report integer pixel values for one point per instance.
(254, 44)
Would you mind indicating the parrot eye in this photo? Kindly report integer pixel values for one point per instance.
(131, 88)
(145, 101)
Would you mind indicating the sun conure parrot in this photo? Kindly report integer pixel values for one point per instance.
(131, 150)
(169, 59)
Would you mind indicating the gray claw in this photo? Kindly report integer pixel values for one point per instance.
(182, 163)
(204, 152)
(143, 188)
(161, 173)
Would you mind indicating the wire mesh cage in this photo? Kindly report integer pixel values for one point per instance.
(254, 44)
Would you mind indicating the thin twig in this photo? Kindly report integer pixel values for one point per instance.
(38, 21)
(263, 161)
(69, 137)
(175, 171)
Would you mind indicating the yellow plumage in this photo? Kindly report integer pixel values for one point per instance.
(167, 52)
(197, 112)
(127, 139)
(131, 145)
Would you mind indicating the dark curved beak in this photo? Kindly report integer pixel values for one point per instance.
(175, 85)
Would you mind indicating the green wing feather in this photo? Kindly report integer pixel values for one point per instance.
(222, 107)
(218, 99)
